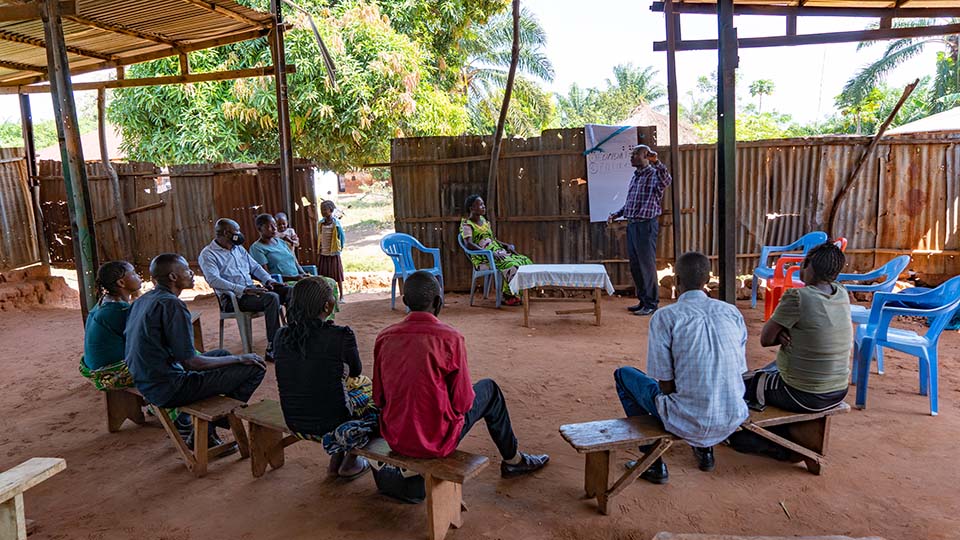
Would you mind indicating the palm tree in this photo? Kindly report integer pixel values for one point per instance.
(946, 82)
(762, 87)
(484, 74)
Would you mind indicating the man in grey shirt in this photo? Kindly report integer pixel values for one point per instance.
(227, 267)
(696, 357)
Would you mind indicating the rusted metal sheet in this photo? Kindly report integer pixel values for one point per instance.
(178, 210)
(905, 199)
(18, 239)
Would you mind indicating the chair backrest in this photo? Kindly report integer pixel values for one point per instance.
(948, 294)
(398, 246)
(812, 240)
(463, 246)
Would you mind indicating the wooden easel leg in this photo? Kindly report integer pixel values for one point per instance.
(239, 435)
(13, 524)
(526, 308)
(122, 406)
(200, 447)
(443, 506)
(178, 443)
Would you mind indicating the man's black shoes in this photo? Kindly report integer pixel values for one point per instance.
(655, 474)
(528, 464)
(643, 312)
(704, 457)
(634, 309)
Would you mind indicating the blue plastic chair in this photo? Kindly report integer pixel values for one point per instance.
(937, 304)
(489, 274)
(890, 272)
(399, 247)
(762, 271)
(308, 268)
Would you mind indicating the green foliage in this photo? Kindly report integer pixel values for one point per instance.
(531, 111)
(864, 117)
(44, 132)
(388, 84)
(760, 88)
(630, 87)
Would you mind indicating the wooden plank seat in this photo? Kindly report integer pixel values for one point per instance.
(202, 413)
(806, 434)
(444, 477)
(13, 482)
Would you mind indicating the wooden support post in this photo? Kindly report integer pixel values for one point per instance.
(74, 171)
(596, 305)
(184, 64)
(673, 31)
(727, 152)
(526, 308)
(30, 153)
(791, 25)
(283, 110)
(122, 226)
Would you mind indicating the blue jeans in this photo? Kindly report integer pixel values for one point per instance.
(638, 392)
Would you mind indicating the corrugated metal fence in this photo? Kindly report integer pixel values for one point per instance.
(174, 211)
(905, 199)
(18, 236)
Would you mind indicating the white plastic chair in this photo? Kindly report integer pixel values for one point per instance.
(244, 322)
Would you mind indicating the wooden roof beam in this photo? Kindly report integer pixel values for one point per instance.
(37, 42)
(818, 39)
(216, 8)
(22, 67)
(26, 12)
(153, 81)
(124, 30)
(815, 11)
(146, 57)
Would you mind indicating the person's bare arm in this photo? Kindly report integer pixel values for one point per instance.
(203, 363)
(774, 334)
(667, 387)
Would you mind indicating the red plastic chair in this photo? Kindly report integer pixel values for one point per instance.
(784, 278)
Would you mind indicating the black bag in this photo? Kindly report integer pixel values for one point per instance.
(392, 483)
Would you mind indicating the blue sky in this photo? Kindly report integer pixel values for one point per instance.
(586, 39)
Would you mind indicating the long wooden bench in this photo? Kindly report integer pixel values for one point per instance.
(807, 435)
(444, 477)
(13, 482)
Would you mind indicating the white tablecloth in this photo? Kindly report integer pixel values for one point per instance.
(588, 276)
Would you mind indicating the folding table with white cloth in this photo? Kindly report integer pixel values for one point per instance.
(592, 277)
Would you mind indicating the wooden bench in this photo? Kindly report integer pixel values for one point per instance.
(123, 404)
(444, 477)
(808, 435)
(13, 524)
(202, 413)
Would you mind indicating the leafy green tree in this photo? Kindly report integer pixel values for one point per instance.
(630, 87)
(388, 84)
(531, 111)
(944, 86)
(760, 88)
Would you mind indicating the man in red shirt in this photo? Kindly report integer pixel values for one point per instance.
(422, 386)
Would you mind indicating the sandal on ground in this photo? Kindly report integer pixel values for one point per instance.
(512, 301)
(364, 466)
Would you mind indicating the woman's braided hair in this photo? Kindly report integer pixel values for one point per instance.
(827, 261)
(306, 310)
(109, 274)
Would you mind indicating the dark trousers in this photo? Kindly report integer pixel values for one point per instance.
(269, 303)
(236, 381)
(767, 387)
(490, 405)
(642, 251)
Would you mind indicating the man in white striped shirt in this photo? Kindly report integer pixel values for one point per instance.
(695, 365)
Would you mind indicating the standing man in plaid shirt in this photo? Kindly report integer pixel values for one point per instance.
(641, 210)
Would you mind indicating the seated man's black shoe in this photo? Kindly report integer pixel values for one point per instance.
(635, 308)
(643, 312)
(655, 474)
(704, 458)
(528, 463)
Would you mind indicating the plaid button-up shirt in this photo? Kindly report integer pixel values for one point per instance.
(699, 343)
(645, 192)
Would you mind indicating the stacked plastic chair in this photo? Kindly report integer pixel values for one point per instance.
(785, 278)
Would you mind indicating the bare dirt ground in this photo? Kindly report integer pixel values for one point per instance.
(891, 471)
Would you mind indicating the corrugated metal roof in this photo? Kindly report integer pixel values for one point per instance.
(105, 34)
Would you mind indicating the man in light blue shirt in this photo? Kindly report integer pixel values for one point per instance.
(696, 357)
(228, 267)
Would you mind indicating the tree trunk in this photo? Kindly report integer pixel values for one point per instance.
(492, 206)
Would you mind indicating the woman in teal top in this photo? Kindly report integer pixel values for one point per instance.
(103, 342)
(273, 253)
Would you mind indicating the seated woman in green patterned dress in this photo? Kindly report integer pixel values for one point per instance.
(477, 234)
(103, 341)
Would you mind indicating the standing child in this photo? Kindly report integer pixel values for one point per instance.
(331, 238)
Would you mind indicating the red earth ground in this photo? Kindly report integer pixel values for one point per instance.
(891, 469)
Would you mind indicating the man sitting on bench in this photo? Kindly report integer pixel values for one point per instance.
(166, 368)
(422, 385)
(695, 363)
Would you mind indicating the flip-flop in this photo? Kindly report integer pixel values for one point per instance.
(363, 469)
(335, 462)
